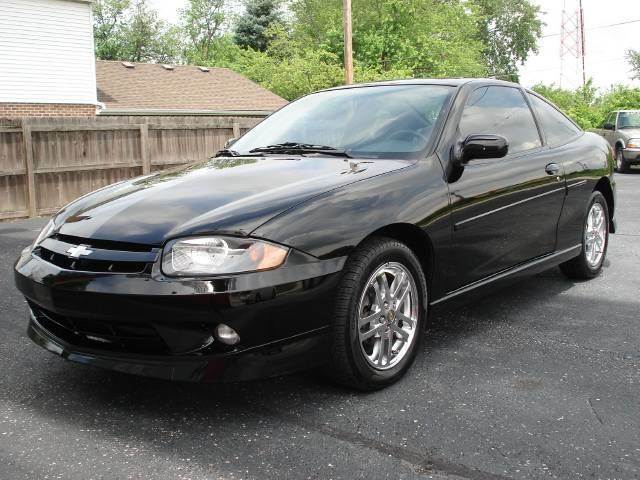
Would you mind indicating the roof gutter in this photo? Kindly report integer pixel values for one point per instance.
(188, 113)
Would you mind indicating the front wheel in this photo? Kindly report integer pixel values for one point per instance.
(621, 163)
(380, 310)
(595, 240)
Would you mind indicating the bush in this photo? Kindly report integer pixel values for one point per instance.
(588, 107)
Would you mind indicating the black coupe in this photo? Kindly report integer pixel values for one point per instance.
(322, 237)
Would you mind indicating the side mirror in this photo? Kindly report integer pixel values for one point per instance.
(609, 126)
(480, 147)
(230, 142)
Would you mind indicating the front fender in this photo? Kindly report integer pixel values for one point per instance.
(333, 224)
(621, 140)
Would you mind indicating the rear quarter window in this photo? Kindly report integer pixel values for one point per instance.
(557, 128)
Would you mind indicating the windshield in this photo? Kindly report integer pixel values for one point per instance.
(629, 120)
(373, 122)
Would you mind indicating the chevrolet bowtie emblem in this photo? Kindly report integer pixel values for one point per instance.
(78, 251)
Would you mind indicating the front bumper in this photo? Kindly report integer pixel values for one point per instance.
(153, 326)
(631, 155)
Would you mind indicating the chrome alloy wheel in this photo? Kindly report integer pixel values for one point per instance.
(388, 315)
(595, 235)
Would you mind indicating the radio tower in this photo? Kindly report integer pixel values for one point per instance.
(572, 39)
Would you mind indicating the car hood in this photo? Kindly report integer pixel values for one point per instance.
(631, 132)
(224, 195)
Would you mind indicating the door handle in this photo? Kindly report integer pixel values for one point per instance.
(552, 169)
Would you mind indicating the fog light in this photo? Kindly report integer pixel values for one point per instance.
(227, 335)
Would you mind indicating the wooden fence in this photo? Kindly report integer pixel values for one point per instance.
(46, 163)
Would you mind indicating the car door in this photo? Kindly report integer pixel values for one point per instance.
(601, 130)
(609, 133)
(505, 210)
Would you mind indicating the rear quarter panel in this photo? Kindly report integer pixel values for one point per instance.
(585, 161)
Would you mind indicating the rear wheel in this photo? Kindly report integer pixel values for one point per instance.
(379, 315)
(621, 163)
(595, 240)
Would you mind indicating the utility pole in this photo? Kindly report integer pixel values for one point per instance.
(582, 46)
(348, 43)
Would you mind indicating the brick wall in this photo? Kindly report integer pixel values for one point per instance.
(16, 110)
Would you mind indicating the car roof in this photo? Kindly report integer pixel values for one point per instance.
(626, 111)
(452, 82)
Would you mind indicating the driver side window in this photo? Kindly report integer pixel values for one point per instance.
(611, 119)
(501, 111)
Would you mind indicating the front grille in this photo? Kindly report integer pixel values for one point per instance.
(103, 244)
(87, 264)
(100, 256)
(138, 337)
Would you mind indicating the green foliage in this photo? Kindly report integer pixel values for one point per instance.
(252, 28)
(202, 22)
(388, 37)
(125, 30)
(392, 39)
(620, 98)
(108, 21)
(509, 31)
(634, 59)
(286, 67)
(587, 106)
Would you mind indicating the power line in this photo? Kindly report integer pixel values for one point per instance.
(596, 27)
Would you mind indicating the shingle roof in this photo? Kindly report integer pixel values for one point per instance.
(149, 86)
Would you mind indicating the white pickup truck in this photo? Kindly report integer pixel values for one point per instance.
(622, 130)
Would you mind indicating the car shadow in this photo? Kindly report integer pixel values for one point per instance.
(124, 406)
(487, 311)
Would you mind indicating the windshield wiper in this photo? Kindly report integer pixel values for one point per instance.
(295, 147)
(227, 152)
(628, 126)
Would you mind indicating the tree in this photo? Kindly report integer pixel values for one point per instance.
(202, 22)
(589, 107)
(252, 27)
(108, 19)
(149, 38)
(579, 104)
(392, 39)
(134, 32)
(422, 37)
(509, 31)
(634, 59)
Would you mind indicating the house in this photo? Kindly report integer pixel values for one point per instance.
(47, 65)
(126, 88)
(48, 68)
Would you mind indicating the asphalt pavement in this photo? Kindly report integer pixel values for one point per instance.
(541, 380)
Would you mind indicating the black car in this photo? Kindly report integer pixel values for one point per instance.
(324, 236)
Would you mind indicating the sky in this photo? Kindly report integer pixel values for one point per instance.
(168, 8)
(605, 45)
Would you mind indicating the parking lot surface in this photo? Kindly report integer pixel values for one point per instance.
(541, 380)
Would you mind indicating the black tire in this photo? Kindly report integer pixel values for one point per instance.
(621, 164)
(347, 363)
(579, 268)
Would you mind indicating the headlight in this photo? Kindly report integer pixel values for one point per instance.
(44, 233)
(205, 256)
(633, 143)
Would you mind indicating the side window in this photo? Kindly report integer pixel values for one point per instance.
(557, 128)
(500, 111)
(611, 118)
